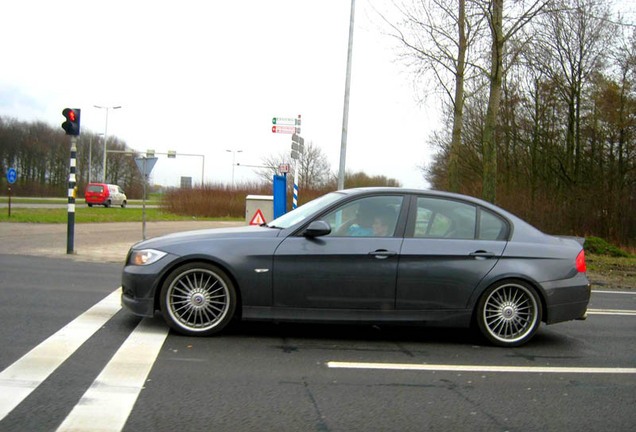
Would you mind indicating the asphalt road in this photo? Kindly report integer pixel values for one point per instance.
(270, 377)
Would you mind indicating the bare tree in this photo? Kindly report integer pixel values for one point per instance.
(576, 35)
(437, 36)
(313, 171)
(493, 10)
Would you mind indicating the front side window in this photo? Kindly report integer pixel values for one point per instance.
(366, 217)
(301, 213)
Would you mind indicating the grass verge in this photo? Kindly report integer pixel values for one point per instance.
(95, 215)
(78, 201)
(607, 271)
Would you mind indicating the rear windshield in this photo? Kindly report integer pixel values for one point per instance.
(95, 188)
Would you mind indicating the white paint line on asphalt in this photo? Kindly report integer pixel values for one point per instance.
(109, 401)
(475, 368)
(26, 374)
(623, 312)
(614, 292)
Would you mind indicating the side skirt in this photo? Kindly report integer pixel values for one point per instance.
(446, 318)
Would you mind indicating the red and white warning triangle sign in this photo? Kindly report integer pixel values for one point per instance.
(258, 218)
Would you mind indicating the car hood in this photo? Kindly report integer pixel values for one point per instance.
(207, 234)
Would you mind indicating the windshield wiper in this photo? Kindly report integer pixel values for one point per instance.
(270, 226)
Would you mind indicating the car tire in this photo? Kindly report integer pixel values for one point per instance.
(509, 313)
(90, 205)
(107, 204)
(123, 204)
(198, 299)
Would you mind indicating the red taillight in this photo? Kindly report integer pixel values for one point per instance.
(580, 262)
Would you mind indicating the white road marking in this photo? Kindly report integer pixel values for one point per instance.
(26, 374)
(614, 292)
(475, 368)
(109, 401)
(623, 312)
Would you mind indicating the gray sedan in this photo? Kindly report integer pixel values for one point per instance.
(372, 255)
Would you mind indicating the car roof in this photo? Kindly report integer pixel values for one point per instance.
(430, 192)
(521, 230)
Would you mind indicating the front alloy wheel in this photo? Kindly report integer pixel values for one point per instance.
(198, 299)
(509, 313)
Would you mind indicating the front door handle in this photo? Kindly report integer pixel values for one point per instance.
(483, 254)
(382, 253)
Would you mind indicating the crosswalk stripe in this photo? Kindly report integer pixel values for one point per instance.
(26, 374)
(109, 401)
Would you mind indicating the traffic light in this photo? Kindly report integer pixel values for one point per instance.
(72, 123)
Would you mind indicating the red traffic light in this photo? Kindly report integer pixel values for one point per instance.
(72, 123)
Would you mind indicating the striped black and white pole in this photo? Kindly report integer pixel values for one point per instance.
(295, 195)
(70, 236)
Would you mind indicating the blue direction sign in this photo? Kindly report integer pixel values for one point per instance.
(12, 175)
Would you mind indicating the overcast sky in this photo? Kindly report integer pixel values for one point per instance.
(202, 77)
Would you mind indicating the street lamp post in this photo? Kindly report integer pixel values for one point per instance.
(345, 114)
(234, 152)
(106, 133)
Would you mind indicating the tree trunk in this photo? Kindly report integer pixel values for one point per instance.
(454, 181)
(489, 191)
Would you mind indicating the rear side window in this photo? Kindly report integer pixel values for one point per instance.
(440, 218)
(491, 227)
(96, 188)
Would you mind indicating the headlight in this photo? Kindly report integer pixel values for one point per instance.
(145, 257)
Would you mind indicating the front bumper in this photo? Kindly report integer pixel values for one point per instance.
(139, 285)
(144, 307)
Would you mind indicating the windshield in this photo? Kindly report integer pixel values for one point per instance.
(305, 210)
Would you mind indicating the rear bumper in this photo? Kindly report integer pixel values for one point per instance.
(98, 201)
(567, 299)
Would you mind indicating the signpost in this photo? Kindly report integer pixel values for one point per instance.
(291, 125)
(286, 125)
(286, 121)
(285, 129)
(145, 166)
(298, 148)
(12, 176)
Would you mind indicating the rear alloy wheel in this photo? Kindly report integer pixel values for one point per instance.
(509, 313)
(198, 299)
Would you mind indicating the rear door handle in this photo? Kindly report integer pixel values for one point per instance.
(483, 254)
(382, 253)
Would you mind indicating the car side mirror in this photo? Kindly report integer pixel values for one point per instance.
(317, 228)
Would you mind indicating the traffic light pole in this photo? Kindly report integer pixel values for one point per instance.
(70, 236)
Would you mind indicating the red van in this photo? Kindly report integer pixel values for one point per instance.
(105, 194)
